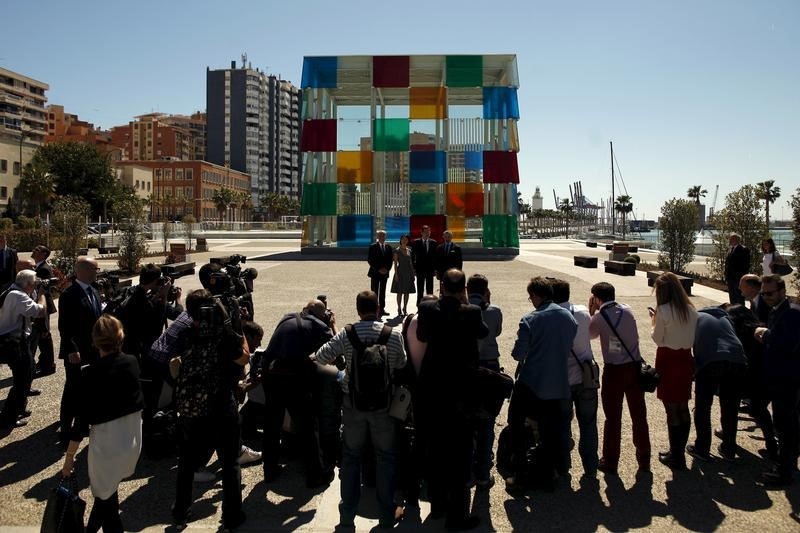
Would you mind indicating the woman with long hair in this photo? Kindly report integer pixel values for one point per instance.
(111, 405)
(770, 256)
(403, 280)
(674, 323)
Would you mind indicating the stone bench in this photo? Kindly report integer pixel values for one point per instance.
(585, 261)
(621, 268)
(201, 244)
(104, 250)
(591, 244)
(686, 282)
(176, 270)
(633, 249)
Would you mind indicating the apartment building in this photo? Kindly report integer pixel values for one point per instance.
(150, 137)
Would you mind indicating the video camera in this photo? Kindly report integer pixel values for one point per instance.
(234, 284)
(108, 284)
(172, 295)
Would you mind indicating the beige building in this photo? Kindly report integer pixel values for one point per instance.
(23, 126)
(139, 178)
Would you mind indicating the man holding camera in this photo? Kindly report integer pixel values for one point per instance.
(16, 310)
(40, 329)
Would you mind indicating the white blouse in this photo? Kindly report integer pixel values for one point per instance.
(671, 332)
(766, 261)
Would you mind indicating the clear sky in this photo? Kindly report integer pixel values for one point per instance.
(692, 92)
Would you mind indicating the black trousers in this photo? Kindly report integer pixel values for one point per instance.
(734, 294)
(328, 409)
(785, 405)
(196, 436)
(105, 514)
(152, 383)
(377, 285)
(19, 361)
(727, 379)
(290, 393)
(424, 284)
(42, 339)
(70, 397)
(548, 416)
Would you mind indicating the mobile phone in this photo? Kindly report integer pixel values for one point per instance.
(652, 311)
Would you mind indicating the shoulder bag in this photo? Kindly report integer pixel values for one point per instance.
(648, 376)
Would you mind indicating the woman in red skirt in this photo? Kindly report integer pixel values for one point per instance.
(674, 322)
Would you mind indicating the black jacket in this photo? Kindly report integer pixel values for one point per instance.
(76, 318)
(422, 259)
(143, 321)
(8, 267)
(44, 271)
(296, 336)
(378, 260)
(447, 259)
(737, 263)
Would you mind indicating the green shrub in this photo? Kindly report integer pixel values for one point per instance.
(631, 259)
(25, 239)
(93, 242)
(636, 257)
(6, 224)
(24, 222)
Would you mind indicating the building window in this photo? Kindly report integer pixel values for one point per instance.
(178, 174)
(158, 174)
(3, 192)
(16, 168)
(148, 186)
(168, 174)
(3, 165)
(188, 174)
(188, 192)
(137, 184)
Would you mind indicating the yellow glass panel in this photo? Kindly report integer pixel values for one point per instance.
(354, 167)
(457, 225)
(428, 102)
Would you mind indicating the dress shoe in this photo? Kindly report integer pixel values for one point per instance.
(606, 469)
(384, 313)
(675, 462)
(775, 479)
(40, 373)
(34, 392)
(700, 455)
(273, 473)
(465, 524)
(726, 455)
(25, 414)
(236, 521)
(11, 424)
(320, 480)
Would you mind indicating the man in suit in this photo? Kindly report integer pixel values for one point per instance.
(78, 310)
(8, 263)
(40, 331)
(445, 404)
(448, 255)
(380, 263)
(422, 255)
(737, 264)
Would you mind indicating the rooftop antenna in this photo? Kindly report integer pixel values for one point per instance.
(244, 60)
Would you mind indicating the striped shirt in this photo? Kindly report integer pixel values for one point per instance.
(368, 331)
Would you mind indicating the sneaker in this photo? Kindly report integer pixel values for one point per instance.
(204, 476)
(248, 456)
(485, 483)
(697, 454)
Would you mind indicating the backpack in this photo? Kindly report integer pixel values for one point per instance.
(369, 384)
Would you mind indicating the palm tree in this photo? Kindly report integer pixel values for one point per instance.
(566, 208)
(623, 206)
(222, 199)
(37, 187)
(765, 191)
(695, 193)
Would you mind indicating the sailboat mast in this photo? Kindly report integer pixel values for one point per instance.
(611, 207)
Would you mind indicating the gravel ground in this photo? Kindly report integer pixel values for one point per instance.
(709, 496)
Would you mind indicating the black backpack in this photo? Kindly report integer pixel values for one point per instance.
(370, 385)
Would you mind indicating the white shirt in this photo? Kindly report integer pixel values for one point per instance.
(582, 345)
(16, 312)
(766, 261)
(669, 331)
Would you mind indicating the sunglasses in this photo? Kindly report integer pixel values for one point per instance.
(769, 293)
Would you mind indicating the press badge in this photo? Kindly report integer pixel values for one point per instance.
(614, 346)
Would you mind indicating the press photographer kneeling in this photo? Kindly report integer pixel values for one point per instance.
(17, 308)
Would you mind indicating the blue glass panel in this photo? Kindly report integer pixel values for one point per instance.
(428, 167)
(473, 160)
(354, 230)
(319, 72)
(396, 227)
(500, 103)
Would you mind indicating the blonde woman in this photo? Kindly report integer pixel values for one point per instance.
(674, 323)
(110, 414)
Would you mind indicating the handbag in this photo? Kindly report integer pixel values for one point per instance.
(401, 403)
(648, 376)
(782, 269)
(492, 389)
(65, 509)
(590, 371)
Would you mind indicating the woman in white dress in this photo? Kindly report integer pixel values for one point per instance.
(770, 258)
(111, 416)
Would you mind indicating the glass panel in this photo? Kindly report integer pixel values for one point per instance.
(457, 226)
(500, 231)
(318, 231)
(390, 71)
(391, 199)
(319, 136)
(464, 71)
(396, 227)
(319, 199)
(500, 103)
(319, 72)
(500, 167)
(428, 102)
(501, 135)
(426, 135)
(437, 224)
(390, 166)
(354, 230)
(464, 199)
(499, 198)
(354, 199)
(319, 167)
(354, 167)
(428, 167)
(390, 135)
(426, 199)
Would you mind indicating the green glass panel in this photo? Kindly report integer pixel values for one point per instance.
(318, 199)
(500, 231)
(464, 71)
(422, 203)
(390, 135)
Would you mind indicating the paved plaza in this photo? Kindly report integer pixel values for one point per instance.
(714, 495)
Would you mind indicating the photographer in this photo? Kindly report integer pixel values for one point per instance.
(40, 330)
(16, 310)
(206, 405)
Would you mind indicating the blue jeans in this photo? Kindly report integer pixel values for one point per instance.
(359, 426)
(585, 409)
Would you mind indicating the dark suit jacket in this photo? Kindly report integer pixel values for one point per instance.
(445, 260)
(782, 346)
(378, 260)
(737, 264)
(76, 317)
(8, 267)
(452, 330)
(421, 258)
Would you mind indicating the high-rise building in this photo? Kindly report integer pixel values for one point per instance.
(254, 126)
(151, 137)
(196, 123)
(23, 126)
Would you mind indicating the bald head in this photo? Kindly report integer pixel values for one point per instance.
(316, 308)
(750, 285)
(25, 264)
(86, 269)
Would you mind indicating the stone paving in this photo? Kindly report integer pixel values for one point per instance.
(709, 496)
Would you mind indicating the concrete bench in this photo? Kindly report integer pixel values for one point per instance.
(633, 249)
(201, 245)
(591, 244)
(622, 268)
(108, 250)
(585, 261)
(176, 270)
(686, 282)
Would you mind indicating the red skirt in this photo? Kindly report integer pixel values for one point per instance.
(676, 368)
